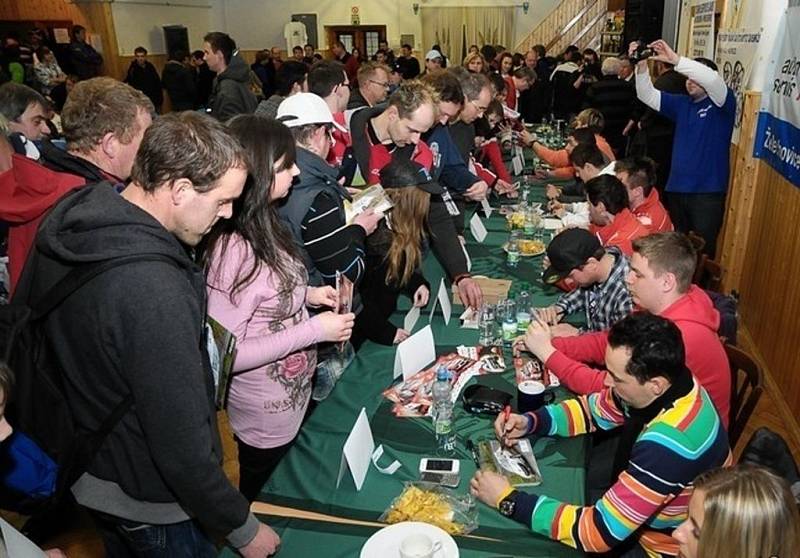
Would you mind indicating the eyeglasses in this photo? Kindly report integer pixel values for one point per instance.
(384, 84)
(329, 130)
(481, 109)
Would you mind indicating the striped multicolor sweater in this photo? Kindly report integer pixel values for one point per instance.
(652, 492)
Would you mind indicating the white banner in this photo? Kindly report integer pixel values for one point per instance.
(736, 52)
(703, 30)
(778, 132)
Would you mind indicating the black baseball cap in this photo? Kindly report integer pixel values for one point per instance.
(402, 172)
(569, 250)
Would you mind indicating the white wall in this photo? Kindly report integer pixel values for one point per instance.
(258, 24)
(139, 23)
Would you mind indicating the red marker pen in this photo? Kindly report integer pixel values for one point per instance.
(506, 416)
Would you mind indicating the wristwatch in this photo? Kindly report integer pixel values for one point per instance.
(508, 504)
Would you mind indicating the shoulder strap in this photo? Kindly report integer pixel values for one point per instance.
(81, 275)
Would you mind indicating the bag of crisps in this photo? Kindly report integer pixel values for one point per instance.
(430, 503)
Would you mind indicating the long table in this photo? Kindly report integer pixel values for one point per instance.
(314, 518)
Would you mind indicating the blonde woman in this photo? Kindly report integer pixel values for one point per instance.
(394, 253)
(475, 63)
(742, 511)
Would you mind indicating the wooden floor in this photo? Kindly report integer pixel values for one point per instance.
(83, 542)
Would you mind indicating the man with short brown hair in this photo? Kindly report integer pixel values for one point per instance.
(158, 477)
(373, 85)
(231, 94)
(638, 174)
(350, 62)
(660, 282)
(381, 134)
(142, 75)
(103, 122)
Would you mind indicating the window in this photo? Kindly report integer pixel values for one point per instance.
(371, 38)
(347, 41)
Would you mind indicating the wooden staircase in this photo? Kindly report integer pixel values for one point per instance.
(573, 22)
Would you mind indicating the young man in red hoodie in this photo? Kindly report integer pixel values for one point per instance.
(659, 281)
(104, 121)
(638, 174)
(610, 218)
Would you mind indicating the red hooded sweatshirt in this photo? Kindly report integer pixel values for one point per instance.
(698, 320)
(27, 191)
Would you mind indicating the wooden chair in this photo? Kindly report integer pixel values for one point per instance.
(698, 242)
(747, 385)
(708, 274)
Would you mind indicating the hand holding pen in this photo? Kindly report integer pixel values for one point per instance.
(508, 427)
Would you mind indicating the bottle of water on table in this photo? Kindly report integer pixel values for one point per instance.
(443, 414)
(486, 326)
(510, 323)
(523, 311)
(512, 250)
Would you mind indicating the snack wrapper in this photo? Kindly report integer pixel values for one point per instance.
(455, 513)
(528, 367)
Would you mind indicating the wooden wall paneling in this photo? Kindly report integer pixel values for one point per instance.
(101, 22)
(742, 193)
(95, 16)
(770, 298)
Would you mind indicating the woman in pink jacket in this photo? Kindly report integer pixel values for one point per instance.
(258, 289)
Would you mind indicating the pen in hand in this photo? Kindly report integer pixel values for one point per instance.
(474, 451)
(506, 416)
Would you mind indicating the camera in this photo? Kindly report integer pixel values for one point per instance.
(642, 52)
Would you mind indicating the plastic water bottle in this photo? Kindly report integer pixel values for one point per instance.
(512, 249)
(530, 221)
(486, 326)
(523, 311)
(443, 414)
(510, 323)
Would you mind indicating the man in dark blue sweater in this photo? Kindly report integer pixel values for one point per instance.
(704, 122)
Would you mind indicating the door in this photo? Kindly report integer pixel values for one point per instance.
(363, 37)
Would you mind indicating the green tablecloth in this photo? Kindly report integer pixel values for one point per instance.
(306, 478)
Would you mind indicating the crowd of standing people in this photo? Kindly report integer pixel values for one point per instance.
(232, 206)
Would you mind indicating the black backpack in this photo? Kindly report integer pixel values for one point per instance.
(768, 449)
(38, 406)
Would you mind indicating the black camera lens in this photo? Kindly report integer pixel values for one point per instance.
(642, 53)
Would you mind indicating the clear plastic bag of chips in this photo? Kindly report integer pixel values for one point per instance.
(455, 513)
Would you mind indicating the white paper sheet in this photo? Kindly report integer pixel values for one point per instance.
(415, 353)
(477, 228)
(411, 319)
(359, 451)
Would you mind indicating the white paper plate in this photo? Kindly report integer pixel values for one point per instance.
(386, 542)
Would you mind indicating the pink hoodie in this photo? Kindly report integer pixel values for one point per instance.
(698, 320)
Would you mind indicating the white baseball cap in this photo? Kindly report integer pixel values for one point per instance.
(433, 54)
(305, 108)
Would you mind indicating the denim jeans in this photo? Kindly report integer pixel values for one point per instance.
(129, 539)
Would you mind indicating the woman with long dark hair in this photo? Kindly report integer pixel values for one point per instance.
(258, 289)
(394, 252)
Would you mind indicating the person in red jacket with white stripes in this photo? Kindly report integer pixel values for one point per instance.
(638, 174)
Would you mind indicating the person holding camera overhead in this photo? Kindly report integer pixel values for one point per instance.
(704, 122)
